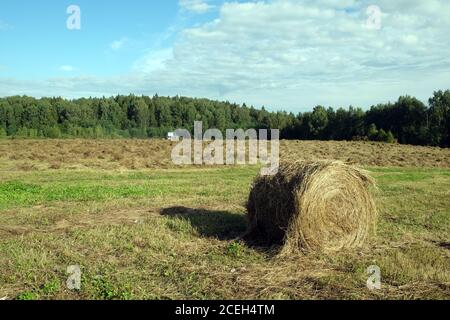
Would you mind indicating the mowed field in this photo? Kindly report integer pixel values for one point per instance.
(141, 228)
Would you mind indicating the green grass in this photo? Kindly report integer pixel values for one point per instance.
(41, 188)
(173, 234)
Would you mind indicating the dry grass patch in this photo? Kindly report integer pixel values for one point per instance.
(29, 155)
(174, 233)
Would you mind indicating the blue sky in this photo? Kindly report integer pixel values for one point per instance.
(284, 54)
(37, 32)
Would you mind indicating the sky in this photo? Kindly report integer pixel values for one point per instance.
(282, 54)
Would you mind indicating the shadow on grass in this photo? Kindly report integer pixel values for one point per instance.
(445, 245)
(223, 225)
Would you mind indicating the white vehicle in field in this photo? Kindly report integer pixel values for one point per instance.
(172, 136)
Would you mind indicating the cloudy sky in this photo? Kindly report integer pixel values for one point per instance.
(283, 54)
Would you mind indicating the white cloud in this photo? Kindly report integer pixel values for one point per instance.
(197, 6)
(297, 54)
(300, 53)
(4, 25)
(291, 54)
(154, 60)
(66, 68)
(118, 44)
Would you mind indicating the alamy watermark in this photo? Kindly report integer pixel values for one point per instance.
(74, 280)
(374, 280)
(229, 151)
(74, 20)
(373, 21)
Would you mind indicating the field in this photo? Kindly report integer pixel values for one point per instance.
(141, 228)
(31, 155)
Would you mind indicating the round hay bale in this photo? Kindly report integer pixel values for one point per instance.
(320, 206)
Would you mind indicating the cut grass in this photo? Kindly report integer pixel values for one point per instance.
(172, 234)
(35, 155)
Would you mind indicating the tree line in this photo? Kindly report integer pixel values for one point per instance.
(408, 121)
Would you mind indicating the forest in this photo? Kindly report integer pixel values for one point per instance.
(407, 121)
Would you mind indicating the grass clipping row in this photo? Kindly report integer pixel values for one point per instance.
(321, 206)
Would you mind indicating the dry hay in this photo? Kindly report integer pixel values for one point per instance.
(156, 154)
(322, 206)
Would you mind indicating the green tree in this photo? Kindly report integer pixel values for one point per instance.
(318, 122)
(53, 132)
(372, 132)
(439, 118)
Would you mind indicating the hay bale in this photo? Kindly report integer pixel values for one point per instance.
(314, 206)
